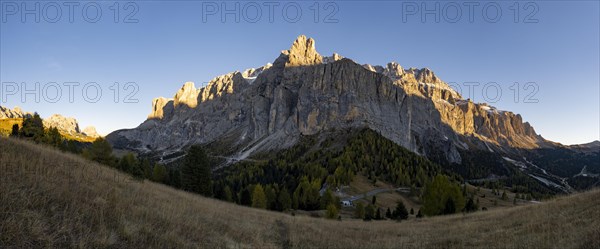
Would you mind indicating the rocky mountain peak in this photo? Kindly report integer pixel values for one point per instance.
(303, 53)
(187, 95)
(14, 113)
(333, 58)
(158, 107)
(64, 124)
(425, 75)
(90, 131)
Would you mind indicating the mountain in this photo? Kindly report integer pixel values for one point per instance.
(65, 125)
(14, 113)
(303, 93)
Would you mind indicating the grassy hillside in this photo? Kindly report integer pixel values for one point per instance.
(52, 199)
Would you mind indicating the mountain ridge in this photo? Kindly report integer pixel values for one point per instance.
(65, 125)
(281, 97)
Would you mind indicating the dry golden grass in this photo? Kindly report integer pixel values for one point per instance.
(6, 125)
(52, 199)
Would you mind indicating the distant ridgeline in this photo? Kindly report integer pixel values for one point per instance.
(67, 127)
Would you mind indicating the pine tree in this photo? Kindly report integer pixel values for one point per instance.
(259, 199)
(33, 127)
(419, 214)
(227, 194)
(285, 202)
(327, 198)
(359, 213)
(504, 196)
(53, 137)
(388, 213)
(449, 207)
(196, 175)
(245, 197)
(332, 212)
(378, 214)
(127, 163)
(441, 196)
(373, 200)
(100, 151)
(159, 173)
(146, 168)
(369, 212)
(271, 196)
(15, 130)
(412, 211)
(400, 213)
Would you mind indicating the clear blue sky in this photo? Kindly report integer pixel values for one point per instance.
(171, 44)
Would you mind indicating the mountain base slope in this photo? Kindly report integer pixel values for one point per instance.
(53, 199)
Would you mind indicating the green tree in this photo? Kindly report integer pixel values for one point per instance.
(53, 137)
(400, 213)
(419, 214)
(146, 168)
(196, 172)
(285, 202)
(442, 196)
(100, 151)
(378, 214)
(15, 130)
(259, 199)
(412, 211)
(369, 212)
(128, 163)
(227, 194)
(271, 197)
(388, 213)
(327, 199)
(33, 127)
(245, 197)
(471, 206)
(332, 212)
(504, 196)
(449, 207)
(359, 213)
(159, 173)
(374, 200)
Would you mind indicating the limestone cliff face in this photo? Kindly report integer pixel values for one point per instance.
(303, 93)
(63, 124)
(12, 113)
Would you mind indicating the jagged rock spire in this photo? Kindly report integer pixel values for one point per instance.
(303, 52)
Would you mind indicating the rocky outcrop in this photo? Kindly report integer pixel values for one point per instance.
(63, 124)
(302, 93)
(303, 53)
(14, 113)
(160, 106)
(90, 131)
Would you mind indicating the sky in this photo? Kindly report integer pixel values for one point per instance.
(544, 57)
